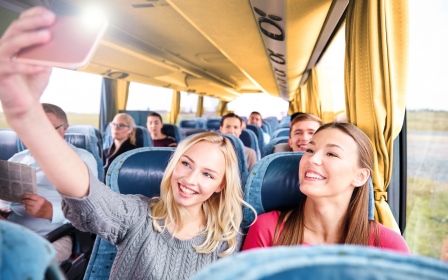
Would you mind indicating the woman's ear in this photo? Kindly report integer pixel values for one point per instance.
(361, 177)
(220, 188)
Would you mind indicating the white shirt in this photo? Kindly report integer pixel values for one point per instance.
(45, 189)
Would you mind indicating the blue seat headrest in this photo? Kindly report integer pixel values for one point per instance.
(8, 144)
(139, 171)
(324, 262)
(188, 123)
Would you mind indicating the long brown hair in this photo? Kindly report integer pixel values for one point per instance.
(355, 228)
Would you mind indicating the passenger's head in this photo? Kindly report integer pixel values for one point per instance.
(301, 130)
(154, 123)
(243, 123)
(203, 175)
(231, 124)
(122, 128)
(255, 119)
(337, 164)
(57, 117)
(295, 115)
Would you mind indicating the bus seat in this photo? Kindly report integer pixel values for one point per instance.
(172, 130)
(201, 122)
(250, 140)
(190, 131)
(259, 133)
(9, 144)
(286, 120)
(273, 184)
(138, 171)
(242, 163)
(25, 254)
(244, 118)
(324, 262)
(266, 127)
(142, 136)
(188, 123)
(213, 124)
(269, 148)
(89, 143)
(280, 132)
(89, 130)
(273, 122)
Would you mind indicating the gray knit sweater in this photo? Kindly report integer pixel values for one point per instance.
(143, 253)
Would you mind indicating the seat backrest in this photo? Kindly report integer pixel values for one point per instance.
(213, 123)
(172, 130)
(8, 144)
(201, 122)
(88, 130)
(190, 131)
(138, 171)
(269, 148)
(89, 143)
(188, 123)
(279, 132)
(142, 136)
(286, 120)
(242, 162)
(259, 133)
(26, 255)
(324, 262)
(250, 140)
(273, 184)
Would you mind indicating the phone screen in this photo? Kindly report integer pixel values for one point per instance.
(73, 42)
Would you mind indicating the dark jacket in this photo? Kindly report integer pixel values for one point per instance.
(108, 158)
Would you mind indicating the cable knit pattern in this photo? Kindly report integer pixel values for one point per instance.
(125, 221)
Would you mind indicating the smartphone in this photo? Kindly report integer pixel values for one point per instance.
(73, 42)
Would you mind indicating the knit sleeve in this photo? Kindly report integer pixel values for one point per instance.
(104, 212)
(261, 233)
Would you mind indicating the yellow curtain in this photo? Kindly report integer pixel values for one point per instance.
(375, 81)
(222, 108)
(313, 103)
(122, 92)
(300, 100)
(200, 107)
(175, 107)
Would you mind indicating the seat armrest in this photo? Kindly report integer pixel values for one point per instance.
(66, 229)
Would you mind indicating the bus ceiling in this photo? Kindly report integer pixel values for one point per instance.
(220, 48)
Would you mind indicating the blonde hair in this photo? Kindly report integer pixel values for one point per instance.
(223, 210)
(129, 120)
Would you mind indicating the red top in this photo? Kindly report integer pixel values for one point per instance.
(261, 234)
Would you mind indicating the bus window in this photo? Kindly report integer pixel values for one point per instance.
(427, 130)
(77, 93)
(188, 105)
(210, 106)
(151, 98)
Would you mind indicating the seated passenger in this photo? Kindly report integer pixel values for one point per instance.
(231, 124)
(194, 222)
(42, 212)
(154, 123)
(256, 119)
(301, 130)
(122, 130)
(333, 175)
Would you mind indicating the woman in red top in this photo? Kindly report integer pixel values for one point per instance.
(333, 175)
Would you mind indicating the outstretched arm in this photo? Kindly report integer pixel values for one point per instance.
(21, 86)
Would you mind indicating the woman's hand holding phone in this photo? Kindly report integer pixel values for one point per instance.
(21, 85)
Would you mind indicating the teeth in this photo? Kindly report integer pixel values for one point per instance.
(187, 191)
(313, 175)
